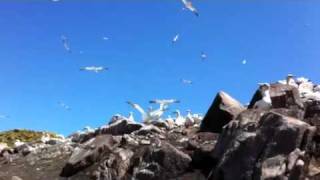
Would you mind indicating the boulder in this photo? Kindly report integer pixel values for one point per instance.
(260, 154)
(223, 109)
(120, 127)
(89, 153)
(155, 163)
(283, 96)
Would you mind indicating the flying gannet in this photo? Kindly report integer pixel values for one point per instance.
(3, 116)
(105, 38)
(186, 81)
(244, 61)
(64, 106)
(96, 69)
(264, 103)
(188, 5)
(66, 43)
(203, 56)
(151, 115)
(175, 38)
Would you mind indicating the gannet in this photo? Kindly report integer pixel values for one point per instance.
(305, 86)
(186, 81)
(88, 129)
(264, 103)
(291, 81)
(3, 116)
(105, 38)
(189, 118)
(188, 5)
(175, 38)
(130, 117)
(180, 121)
(145, 116)
(45, 138)
(18, 143)
(152, 114)
(96, 69)
(163, 102)
(66, 44)
(244, 61)
(203, 56)
(64, 106)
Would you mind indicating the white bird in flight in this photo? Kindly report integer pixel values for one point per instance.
(186, 81)
(96, 69)
(64, 106)
(188, 5)
(175, 38)
(3, 116)
(66, 43)
(244, 61)
(164, 102)
(203, 56)
(105, 38)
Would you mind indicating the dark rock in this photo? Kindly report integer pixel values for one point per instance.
(88, 154)
(162, 162)
(201, 145)
(120, 128)
(248, 155)
(223, 109)
(283, 96)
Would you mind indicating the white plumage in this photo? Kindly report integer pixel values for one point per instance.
(264, 103)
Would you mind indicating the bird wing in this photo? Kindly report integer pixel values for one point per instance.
(137, 107)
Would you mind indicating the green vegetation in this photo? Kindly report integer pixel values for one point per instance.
(9, 137)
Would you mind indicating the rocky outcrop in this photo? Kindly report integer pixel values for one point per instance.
(233, 142)
(88, 153)
(264, 153)
(285, 99)
(223, 109)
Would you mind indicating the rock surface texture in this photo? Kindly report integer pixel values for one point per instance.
(232, 142)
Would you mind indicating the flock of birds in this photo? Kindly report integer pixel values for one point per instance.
(151, 115)
(307, 91)
(99, 69)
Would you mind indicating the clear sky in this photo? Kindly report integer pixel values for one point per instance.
(275, 37)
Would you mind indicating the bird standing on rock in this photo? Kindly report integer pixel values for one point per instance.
(264, 103)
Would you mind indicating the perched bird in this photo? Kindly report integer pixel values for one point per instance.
(175, 38)
(64, 106)
(189, 118)
(96, 69)
(66, 43)
(264, 103)
(291, 81)
(179, 120)
(203, 56)
(188, 5)
(130, 117)
(186, 81)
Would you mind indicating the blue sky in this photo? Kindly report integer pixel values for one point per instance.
(275, 37)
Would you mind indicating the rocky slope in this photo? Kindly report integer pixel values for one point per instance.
(231, 142)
